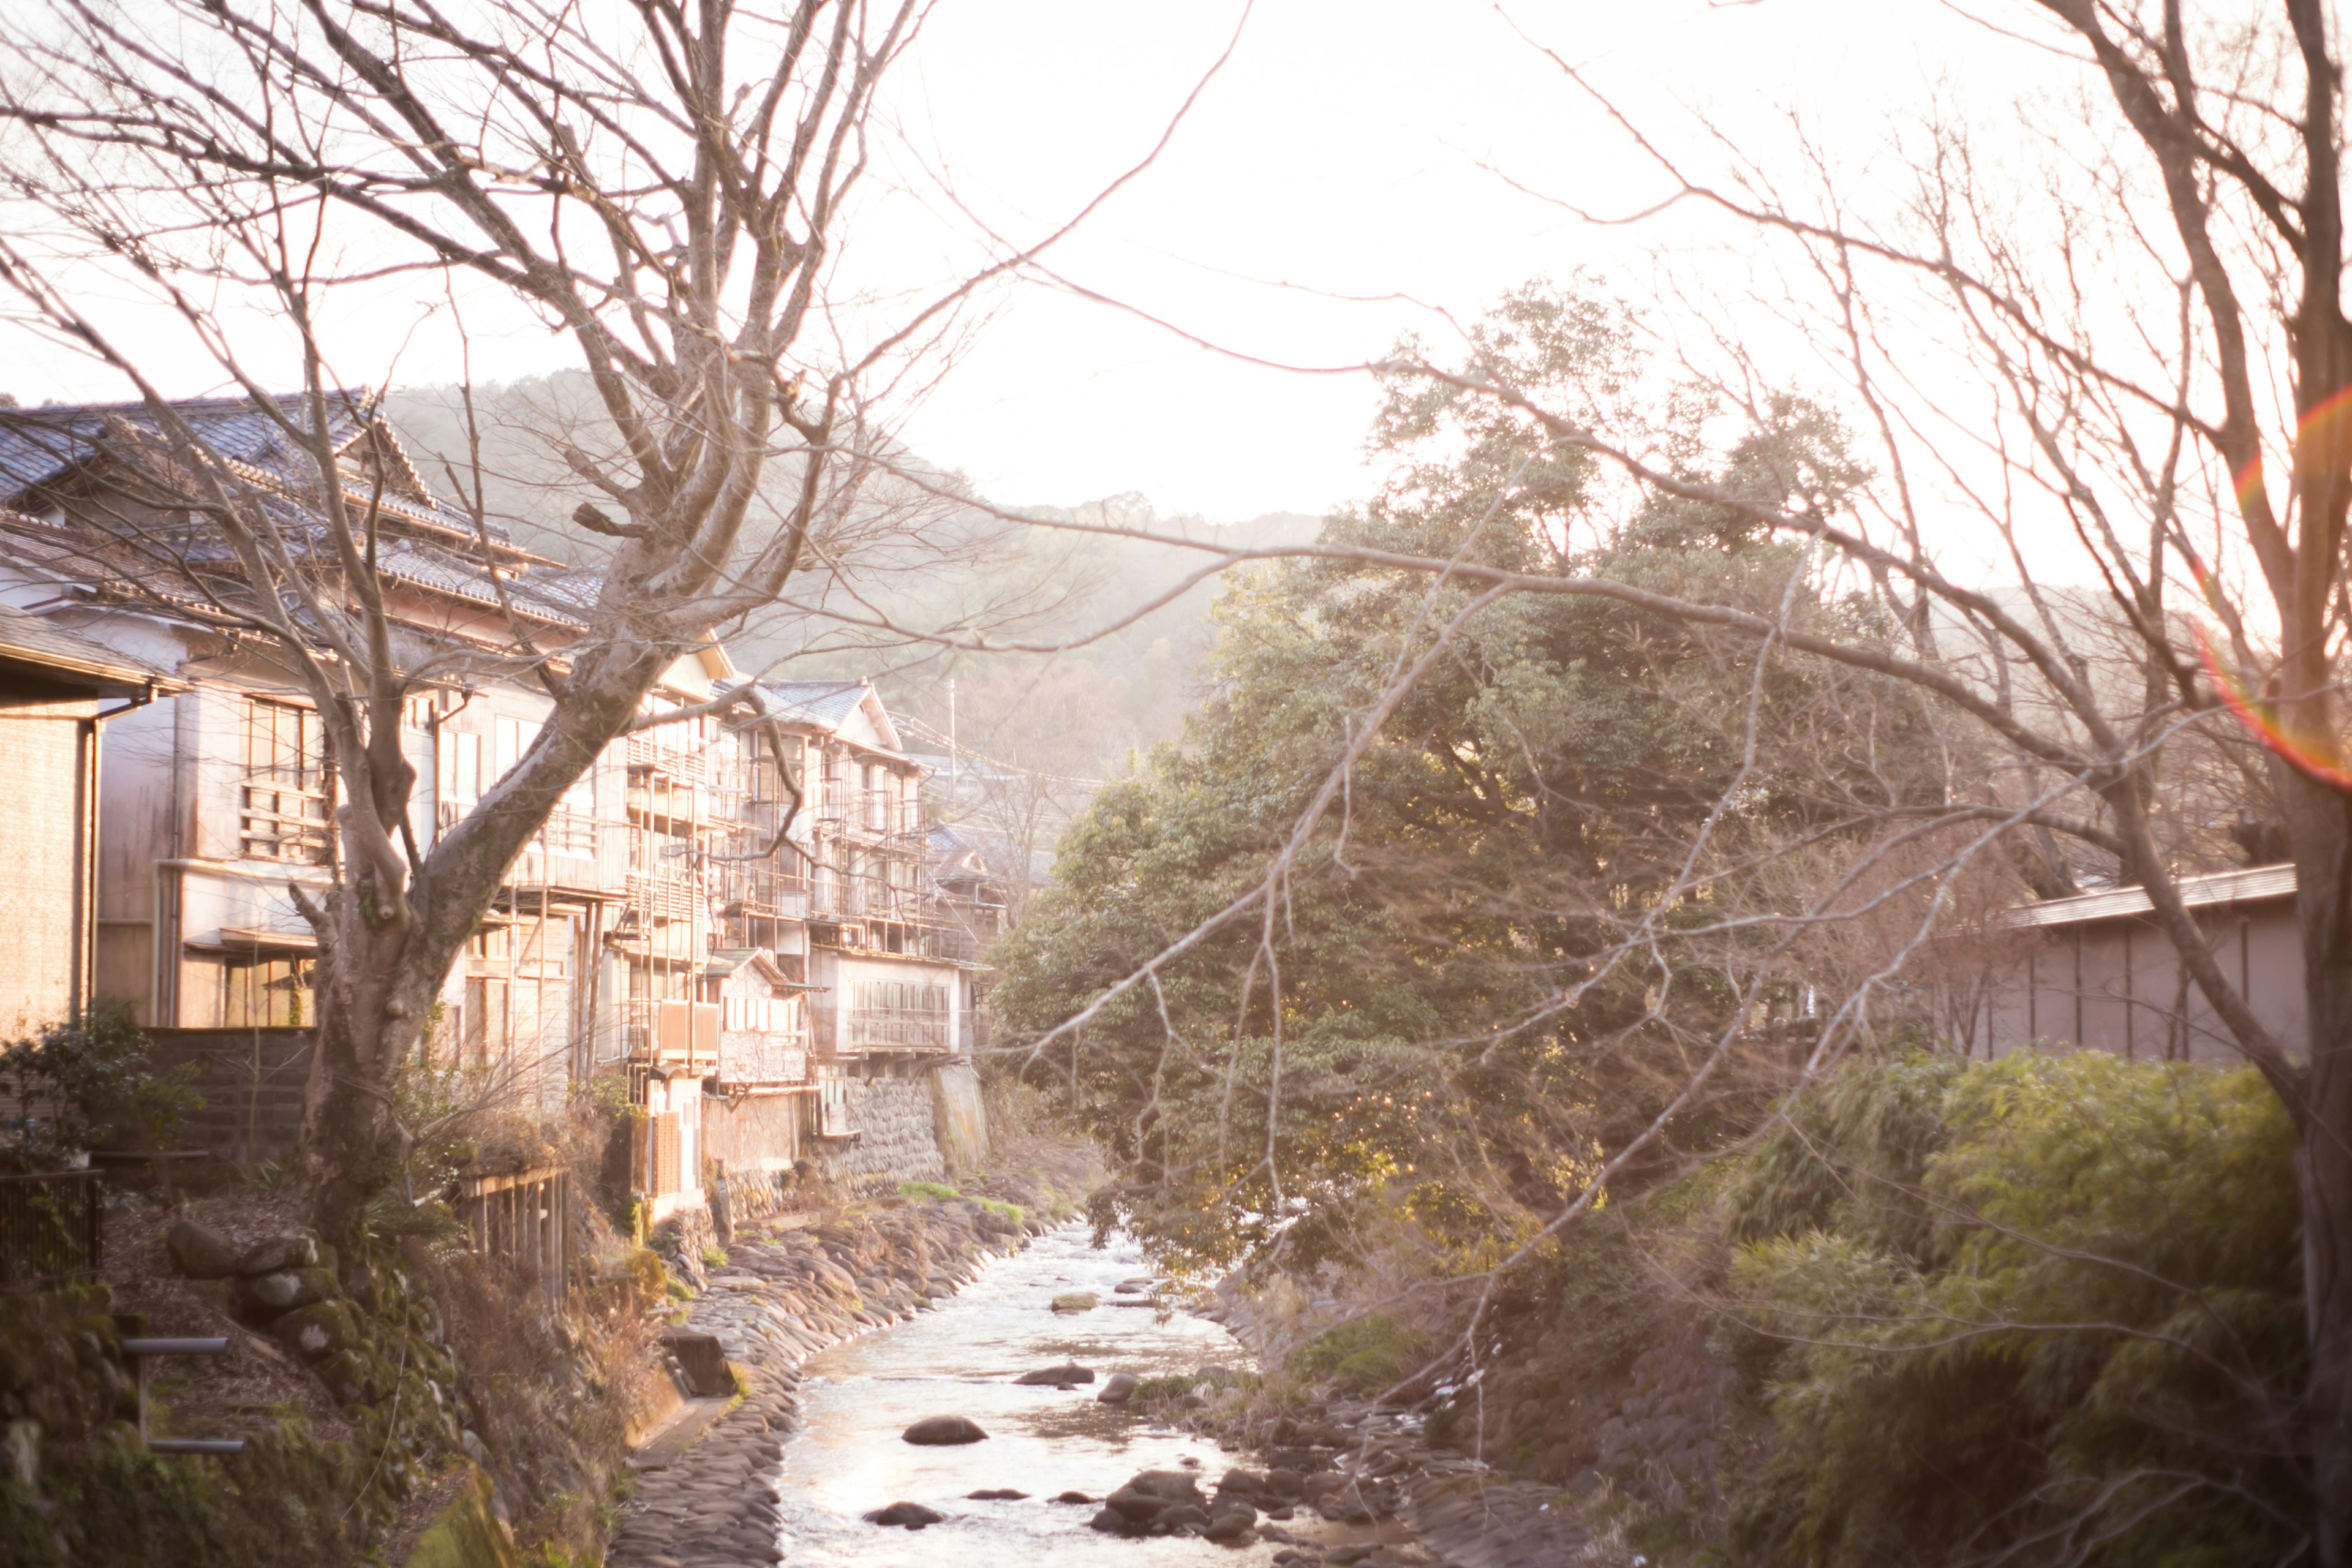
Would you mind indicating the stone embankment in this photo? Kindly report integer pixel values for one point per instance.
(790, 1288)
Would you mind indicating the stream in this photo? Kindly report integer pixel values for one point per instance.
(847, 1458)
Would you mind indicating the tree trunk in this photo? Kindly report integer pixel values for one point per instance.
(2323, 1171)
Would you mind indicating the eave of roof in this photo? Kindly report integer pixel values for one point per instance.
(25, 638)
(2253, 884)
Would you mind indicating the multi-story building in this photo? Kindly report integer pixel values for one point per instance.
(730, 909)
(55, 692)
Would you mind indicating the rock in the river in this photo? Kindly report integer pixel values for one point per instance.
(1075, 1301)
(1116, 1389)
(199, 1252)
(940, 1431)
(1187, 1517)
(1130, 1286)
(1152, 1493)
(912, 1515)
(1061, 1376)
(1076, 1497)
(997, 1494)
(1230, 1519)
(1246, 1485)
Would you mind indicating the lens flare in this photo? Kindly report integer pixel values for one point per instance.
(2308, 753)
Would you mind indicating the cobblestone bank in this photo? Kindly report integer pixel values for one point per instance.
(787, 1291)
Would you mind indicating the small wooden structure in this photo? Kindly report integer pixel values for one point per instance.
(524, 1218)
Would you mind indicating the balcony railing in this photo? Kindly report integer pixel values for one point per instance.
(671, 1030)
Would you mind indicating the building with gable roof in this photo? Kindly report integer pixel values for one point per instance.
(782, 843)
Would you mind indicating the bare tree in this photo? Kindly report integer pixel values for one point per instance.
(664, 183)
(2154, 331)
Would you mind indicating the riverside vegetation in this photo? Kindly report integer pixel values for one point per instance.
(2041, 1310)
(1433, 1105)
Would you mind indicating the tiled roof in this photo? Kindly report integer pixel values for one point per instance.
(426, 543)
(40, 446)
(826, 703)
(26, 639)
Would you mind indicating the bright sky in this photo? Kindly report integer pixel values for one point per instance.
(1351, 147)
(1362, 148)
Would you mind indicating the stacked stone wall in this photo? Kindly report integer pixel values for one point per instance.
(898, 1138)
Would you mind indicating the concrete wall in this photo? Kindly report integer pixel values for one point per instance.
(958, 1117)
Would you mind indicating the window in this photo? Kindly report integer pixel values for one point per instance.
(486, 1023)
(899, 1012)
(264, 993)
(461, 770)
(283, 805)
(831, 1103)
(507, 743)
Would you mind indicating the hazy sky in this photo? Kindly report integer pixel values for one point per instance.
(1362, 148)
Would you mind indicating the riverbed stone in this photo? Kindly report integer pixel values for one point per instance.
(1116, 1389)
(907, 1515)
(940, 1431)
(1063, 1376)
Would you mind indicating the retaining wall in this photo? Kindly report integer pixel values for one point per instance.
(898, 1138)
(252, 1083)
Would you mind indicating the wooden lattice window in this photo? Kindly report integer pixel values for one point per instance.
(286, 801)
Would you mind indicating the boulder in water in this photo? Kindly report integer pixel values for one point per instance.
(997, 1494)
(1076, 1497)
(910, 1515)
(1063, 1376)
(1116, 1389)
(940, 1431)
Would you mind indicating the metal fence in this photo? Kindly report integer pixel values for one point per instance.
(49, 1228)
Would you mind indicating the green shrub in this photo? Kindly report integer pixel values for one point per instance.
(997, 1206)
(2051, 1312)
(938, 1191)
(1165, 1390)
(1362, 1357)
(87, 1083)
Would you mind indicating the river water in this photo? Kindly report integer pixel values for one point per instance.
(848, 1458)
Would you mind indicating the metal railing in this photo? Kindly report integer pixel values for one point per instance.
(50, 1229)
(144, 1353)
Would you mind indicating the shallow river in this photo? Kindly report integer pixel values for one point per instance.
(848, 1458)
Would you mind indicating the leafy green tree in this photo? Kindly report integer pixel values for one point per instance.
(1491, 957)
(2046, 1310)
